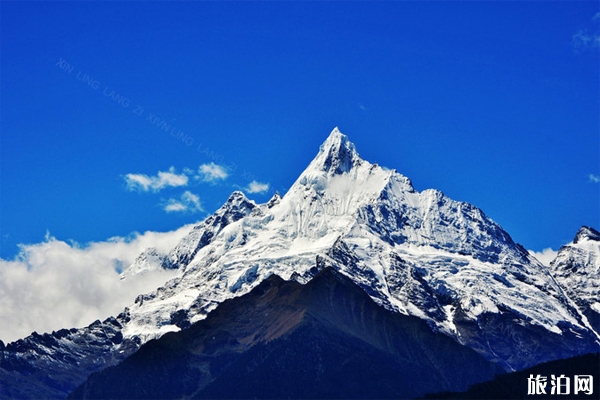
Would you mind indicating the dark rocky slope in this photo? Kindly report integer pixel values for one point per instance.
(325, 339)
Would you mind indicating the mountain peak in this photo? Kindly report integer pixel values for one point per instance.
(337, 154)
(587, 233)
(236, 196)
(236, 207)
(237, 201)
(274, 200)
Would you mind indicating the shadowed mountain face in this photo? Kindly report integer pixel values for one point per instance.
(286, 340)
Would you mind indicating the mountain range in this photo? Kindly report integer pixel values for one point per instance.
(351, 260)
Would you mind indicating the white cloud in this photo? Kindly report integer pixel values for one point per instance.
(257, 187)
(212, 172)
(54, 284)
(594, 178)
(138, 181)
(188, 202)
(545, 256)
(175, 206)
(162, 180)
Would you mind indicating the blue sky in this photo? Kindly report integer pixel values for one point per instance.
(122, 117)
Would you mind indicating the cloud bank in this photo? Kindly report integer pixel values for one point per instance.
(55, 284)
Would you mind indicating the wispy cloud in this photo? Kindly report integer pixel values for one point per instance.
(584, 39)
(162, 180)
(188, 202)
(594, 178)
(55, 284)
(545, 256)
(257, 187)
(212, 172)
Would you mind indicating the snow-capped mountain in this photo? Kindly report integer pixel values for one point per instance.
(577, 269)
(419, 254)
(415, 253)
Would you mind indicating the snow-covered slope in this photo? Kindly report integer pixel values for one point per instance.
(236, 207)
(577, 269)
(416, 253)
